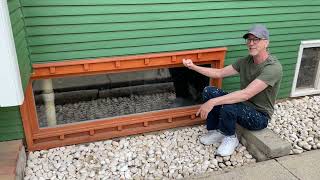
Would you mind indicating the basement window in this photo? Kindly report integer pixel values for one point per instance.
(77, 99)
(307, 74)
(70, 102)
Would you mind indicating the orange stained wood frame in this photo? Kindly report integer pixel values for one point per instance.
(48, 137)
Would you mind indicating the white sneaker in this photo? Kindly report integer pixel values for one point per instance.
(213, 136)
(228, 145)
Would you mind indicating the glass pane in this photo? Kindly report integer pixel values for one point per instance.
(76, 99)
(308, 68)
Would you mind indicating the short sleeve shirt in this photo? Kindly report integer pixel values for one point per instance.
(270, 72)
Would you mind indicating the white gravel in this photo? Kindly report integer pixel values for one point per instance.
(171, 154)
(298, 121)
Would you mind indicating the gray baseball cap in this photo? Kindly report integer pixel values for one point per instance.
(258, 30)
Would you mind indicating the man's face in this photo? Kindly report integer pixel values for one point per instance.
(256, 45)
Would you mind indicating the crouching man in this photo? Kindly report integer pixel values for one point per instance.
(252, 106)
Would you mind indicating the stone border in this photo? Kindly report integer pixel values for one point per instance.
(263, 144)
(21, 164)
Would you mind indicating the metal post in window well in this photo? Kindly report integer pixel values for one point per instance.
(48, 98)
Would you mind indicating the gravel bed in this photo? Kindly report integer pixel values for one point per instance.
(171, 154)
(298, 121)
(107, 107)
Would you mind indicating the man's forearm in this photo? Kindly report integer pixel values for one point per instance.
(209, 72)
(250, 91)
(231, 98)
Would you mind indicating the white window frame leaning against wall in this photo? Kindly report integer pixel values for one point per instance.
(295, 92)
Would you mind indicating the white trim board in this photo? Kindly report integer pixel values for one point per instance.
(295, 92)
(11, 92)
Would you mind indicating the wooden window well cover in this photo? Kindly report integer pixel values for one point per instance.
(48, 137)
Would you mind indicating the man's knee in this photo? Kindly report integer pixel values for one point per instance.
(228, 108)
(210, 91)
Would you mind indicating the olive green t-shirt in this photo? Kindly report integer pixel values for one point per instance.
(270, 72)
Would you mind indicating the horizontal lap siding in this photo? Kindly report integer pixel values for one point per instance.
(10, 119)
(81, 29)
(17, 23)
(10, 124)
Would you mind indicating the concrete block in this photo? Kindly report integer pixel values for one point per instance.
(263, 144)
(255, 152)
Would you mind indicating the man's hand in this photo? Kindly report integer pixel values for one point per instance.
(205, 109)
(187, 63)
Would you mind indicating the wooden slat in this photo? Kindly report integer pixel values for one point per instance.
(143, 2)
(141, 38)
(218, 7)
(156, 28)
(194, 15)
(128, 63)
(116, 50)
(26, 118)
(45, 143)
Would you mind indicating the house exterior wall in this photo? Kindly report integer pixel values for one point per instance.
(10, 119)
(82, 29)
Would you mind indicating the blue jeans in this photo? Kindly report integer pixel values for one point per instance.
(224, 117)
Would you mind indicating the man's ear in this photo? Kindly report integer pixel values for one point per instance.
(267, 44)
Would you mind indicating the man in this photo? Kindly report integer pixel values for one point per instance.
(252, 106)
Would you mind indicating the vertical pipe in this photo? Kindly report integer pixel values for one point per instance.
(48, 98)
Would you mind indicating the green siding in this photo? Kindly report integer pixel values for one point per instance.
(10, 119)
(80, 29)
(10, 124)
